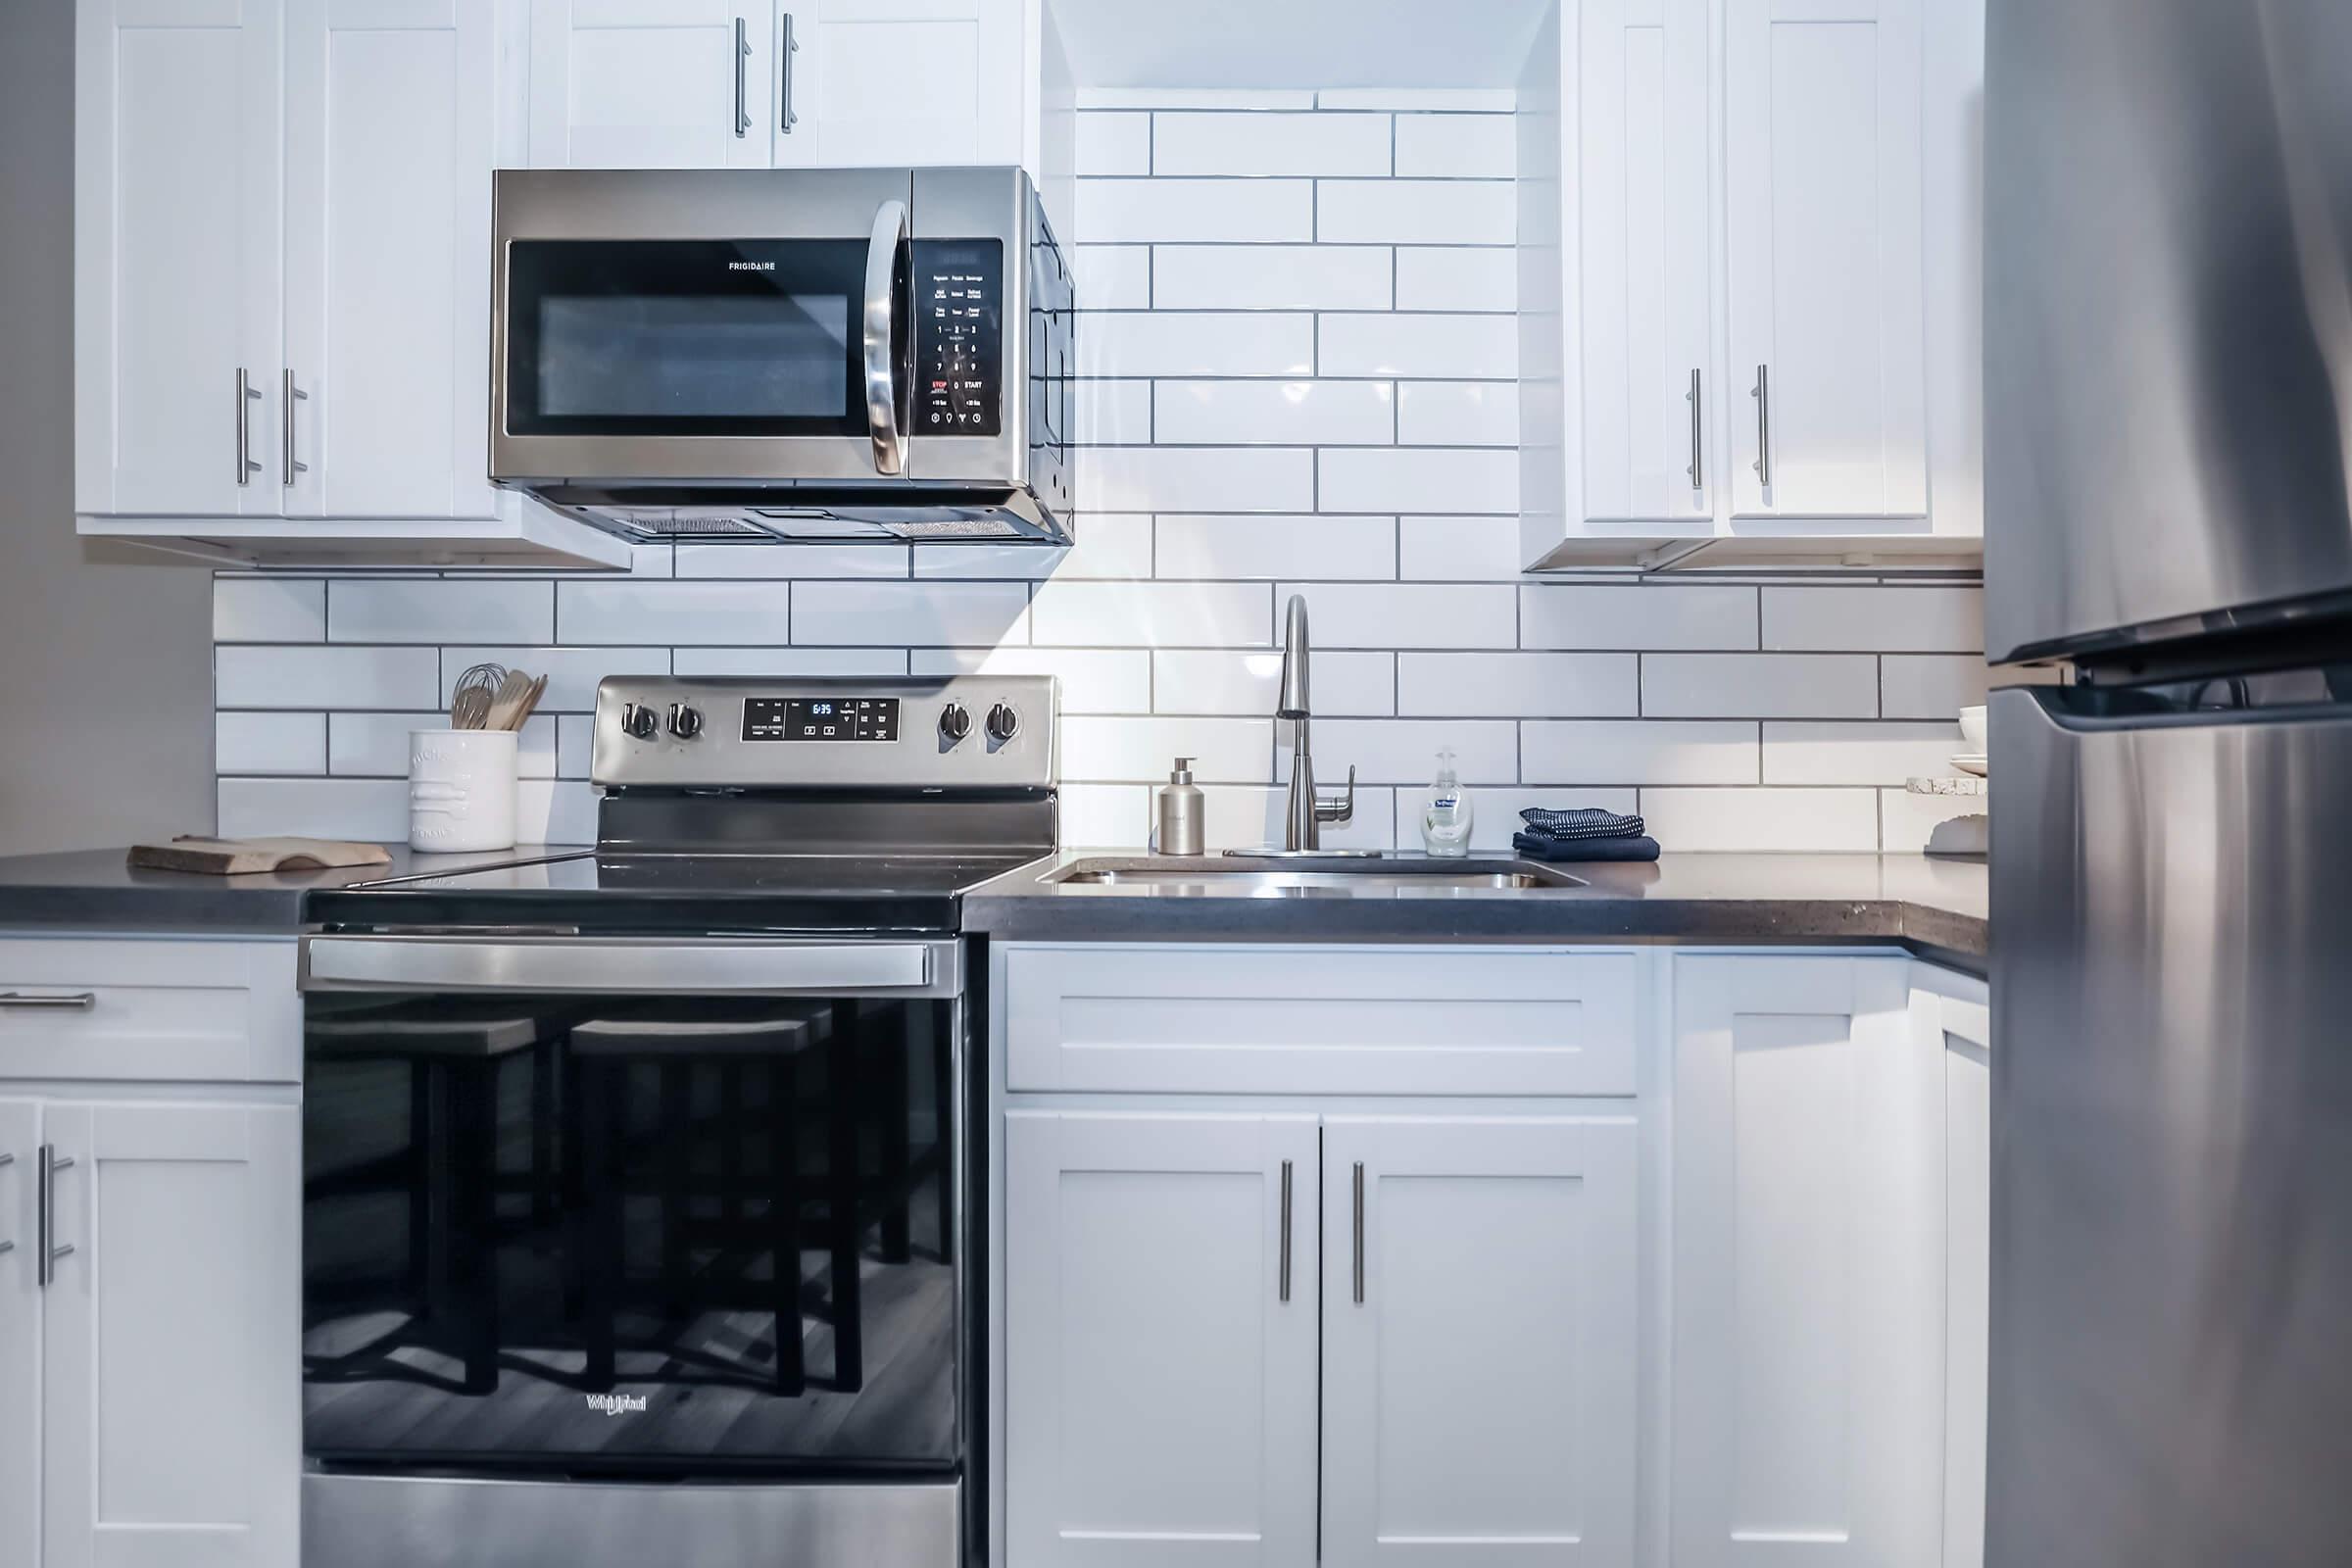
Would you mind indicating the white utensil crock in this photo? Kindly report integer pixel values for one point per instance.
(461, 790)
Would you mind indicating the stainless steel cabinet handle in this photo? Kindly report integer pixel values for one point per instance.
(1697, 470)
(1359, 1233)
(247, 392)
(79, 1001)
(293, 395)
(785, 118)
(7, 1160)
(1286, 1229)
(1763, 396)
(743, 52)
(882, 254)
(45, 1263)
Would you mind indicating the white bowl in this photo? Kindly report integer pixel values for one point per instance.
(1972, 727)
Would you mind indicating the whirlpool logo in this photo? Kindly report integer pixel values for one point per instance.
(750, 267)
(617, 1404)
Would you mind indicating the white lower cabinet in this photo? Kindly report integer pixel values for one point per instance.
(1481, 1334)
(19, 1332)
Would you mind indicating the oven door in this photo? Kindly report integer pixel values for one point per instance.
(633, 1209)
(667, 327)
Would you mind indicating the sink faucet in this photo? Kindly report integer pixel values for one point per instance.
(1306, 811)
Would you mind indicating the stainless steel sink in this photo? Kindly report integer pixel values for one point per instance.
(1244, 875)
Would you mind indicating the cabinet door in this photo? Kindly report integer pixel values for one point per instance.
(650, 83)
(1808, 1267)
(1481, 1334)
(1959, 1023)
(172, 1423)
(1162, 1404)
(886, 83)
(1823, 102)
(1650, 400)
(390, 138)
(176, 255)
(19, 1332)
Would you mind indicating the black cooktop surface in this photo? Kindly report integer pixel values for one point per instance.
(669, 892)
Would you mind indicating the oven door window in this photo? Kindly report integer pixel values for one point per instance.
(685, 337)
(671, 1237)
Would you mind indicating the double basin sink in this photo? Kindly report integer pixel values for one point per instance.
(1245, 874)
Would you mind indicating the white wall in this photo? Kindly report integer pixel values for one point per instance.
(105, 694)
(1299, 344)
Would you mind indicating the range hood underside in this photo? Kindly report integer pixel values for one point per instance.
(913, 511)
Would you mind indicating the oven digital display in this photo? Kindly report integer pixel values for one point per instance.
(820, 718)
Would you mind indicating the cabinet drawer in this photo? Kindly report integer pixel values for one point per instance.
(1319, 1020)
(223, 1011)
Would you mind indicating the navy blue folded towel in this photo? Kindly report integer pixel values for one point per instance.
(1590, 823)
(1624, 847)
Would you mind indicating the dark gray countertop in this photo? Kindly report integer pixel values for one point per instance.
(97, 890)
(1933, 907)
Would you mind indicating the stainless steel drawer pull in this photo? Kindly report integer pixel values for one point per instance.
(743, 52)
(1763, 396)
(77, 1002)
(247, 393)
(1286, 1229)
(7, 1160)
(293, 395)
(45, 1213)
(790, 46)
(1359, 1233)
(1697, 470)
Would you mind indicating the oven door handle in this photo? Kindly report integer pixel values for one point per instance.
(630, 967)
(886, 330)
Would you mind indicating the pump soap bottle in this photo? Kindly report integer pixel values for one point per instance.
(1179, 830)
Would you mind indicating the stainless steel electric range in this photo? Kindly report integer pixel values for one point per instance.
(638, 1215)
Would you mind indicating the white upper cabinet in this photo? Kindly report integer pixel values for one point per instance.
(1823, 137)
(1481, 1331)
(784, 83)
(390, 126)
(178, 254)
(1650, 394)
(1808, 1322)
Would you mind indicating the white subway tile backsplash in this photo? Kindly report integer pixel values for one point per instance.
(1458, 414)
(1415, 212)
(1888, 754)
(270, 743)
(1196, 211)
(674, 614)
(1198, 479)
(1195, 547)
(1139, 750)
(555, 812)
(1930, 685)
(1113, 414)
(1273, 413)
(269, 610)
(770, 562)
(1114, 143)
(1111, 277)
(1418, 479)
(372, 810)
(1241, 818)
(1425, 347)
(1458, 549)
(1518, 685)
(788, 663)
(1890, 619)
(571, 673)
(1405, 614)
(1703, 615)
(1759, 686)
(1152, 615)
(1193, 343)
(1452, 278)
(1457, 146)
(1268, 277)
(376, 745)
(1106, 816)
(1824, 821)
(910, 615)
(1269, 144)
(324, 677)
(1109, 545)
(1093, 680)
(1639, 752)
(575, 745)
(1908, 823)
(1195, 680)
(438, 609)
(1404, 751)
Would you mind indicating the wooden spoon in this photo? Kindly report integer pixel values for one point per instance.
(508, 703)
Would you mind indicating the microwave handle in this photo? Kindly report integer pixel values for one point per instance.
(881, 337)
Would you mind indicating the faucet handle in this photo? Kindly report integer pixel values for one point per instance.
(1338, 809)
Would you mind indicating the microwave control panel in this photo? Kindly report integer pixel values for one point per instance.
(958, 336)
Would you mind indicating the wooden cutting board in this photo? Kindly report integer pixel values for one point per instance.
(241, 856)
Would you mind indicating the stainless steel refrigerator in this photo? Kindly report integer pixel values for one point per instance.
(2169, 433)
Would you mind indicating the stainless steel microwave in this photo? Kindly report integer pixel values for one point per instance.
(819, 355)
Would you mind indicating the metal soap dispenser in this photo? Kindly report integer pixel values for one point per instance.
(1178, 829)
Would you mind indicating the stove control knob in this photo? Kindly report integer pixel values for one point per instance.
(1002, 723)
(954, 723)
(640, 722)
(685, 723)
